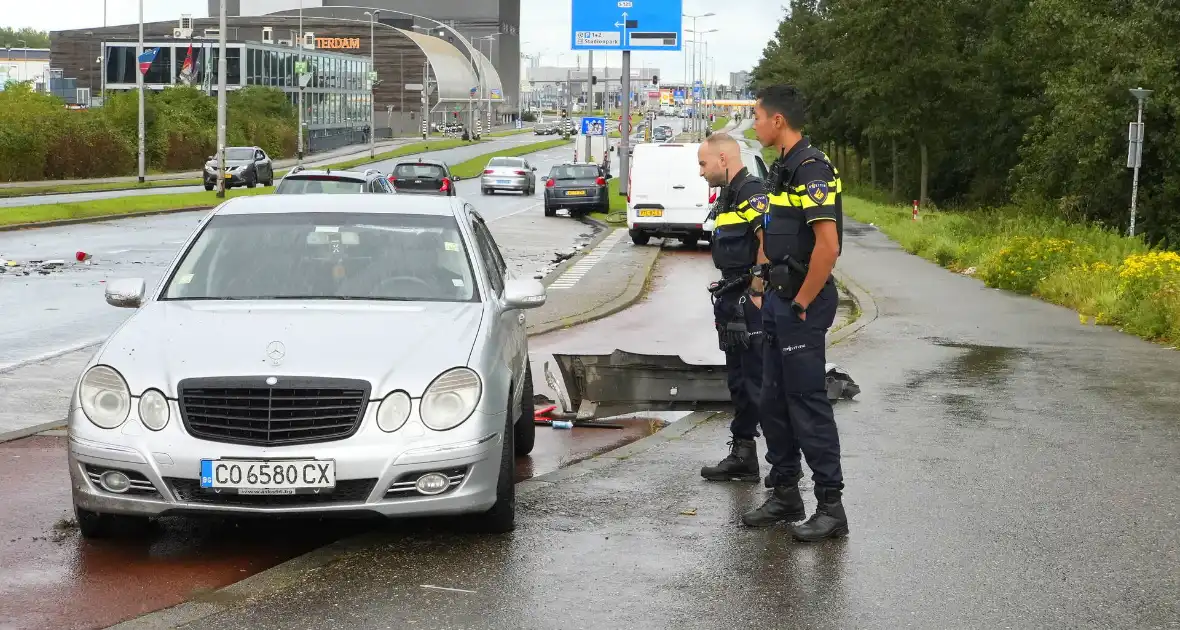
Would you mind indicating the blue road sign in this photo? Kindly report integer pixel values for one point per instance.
(627, 25)
(593, 126)
(696, 90)
(678, 94)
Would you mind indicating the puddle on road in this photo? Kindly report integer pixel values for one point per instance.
(970, 385)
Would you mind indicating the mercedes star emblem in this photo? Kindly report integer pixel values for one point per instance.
(275, 351)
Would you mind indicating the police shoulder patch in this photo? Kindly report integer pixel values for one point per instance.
(817, 189)
(760, 202)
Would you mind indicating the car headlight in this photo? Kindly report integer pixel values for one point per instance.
(153, 410)
(393, 412)
(450, 399)
(106, 401)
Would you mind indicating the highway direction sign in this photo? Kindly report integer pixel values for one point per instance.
(626, 25)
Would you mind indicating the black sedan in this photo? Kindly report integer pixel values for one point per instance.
(427, 177)
(579, 188)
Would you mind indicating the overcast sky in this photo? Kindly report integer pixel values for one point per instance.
(737, 44)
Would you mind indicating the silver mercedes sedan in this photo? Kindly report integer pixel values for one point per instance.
(313, 356)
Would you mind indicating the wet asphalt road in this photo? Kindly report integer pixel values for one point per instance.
(64, 310)
(452, 156)
(1005, 468)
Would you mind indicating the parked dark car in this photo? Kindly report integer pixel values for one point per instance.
(579, 188)
(426, 177)
(301, 181)
(244, 166)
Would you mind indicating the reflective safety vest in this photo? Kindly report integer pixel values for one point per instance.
(735, 240)
(786, 224)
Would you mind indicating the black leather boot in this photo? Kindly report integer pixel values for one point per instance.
(784, 504)
(829, 520)
(740, 465)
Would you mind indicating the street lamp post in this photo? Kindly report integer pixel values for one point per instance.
(372, 83)
(696, 105)
(221, 101)
(139, 82)
(1135, 151)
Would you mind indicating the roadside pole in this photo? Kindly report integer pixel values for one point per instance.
(625, 126)
(221, 64)
(301, 69)
(1135, 152)
(139, 79)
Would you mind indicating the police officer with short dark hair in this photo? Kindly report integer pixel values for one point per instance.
(802, 236)
(737, 297)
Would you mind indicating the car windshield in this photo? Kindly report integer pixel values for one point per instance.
(428, 171)
(657, 133)
(313, 184)
(239, 154)
(505, 162)
(574, 172)
(307, 256)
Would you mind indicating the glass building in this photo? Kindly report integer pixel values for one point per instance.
(336, 97)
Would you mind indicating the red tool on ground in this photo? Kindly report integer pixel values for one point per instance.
(546, 415)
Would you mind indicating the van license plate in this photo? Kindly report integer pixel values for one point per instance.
(649, 212)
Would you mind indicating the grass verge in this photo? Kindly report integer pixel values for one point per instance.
(720, 122)
(475, 165)
(439, 144)
(1109, 279)
(618, 206)
(119, 206)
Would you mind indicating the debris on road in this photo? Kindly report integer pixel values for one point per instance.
(840, 383)
(689, 512)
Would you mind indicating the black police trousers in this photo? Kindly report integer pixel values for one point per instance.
(744, 366)
(796, 413)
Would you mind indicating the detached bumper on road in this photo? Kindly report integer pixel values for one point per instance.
(375, 473)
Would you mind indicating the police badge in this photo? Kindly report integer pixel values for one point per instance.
(759, 203)
(817, 190)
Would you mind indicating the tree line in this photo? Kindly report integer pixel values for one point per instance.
(24, 38)
(969, 103)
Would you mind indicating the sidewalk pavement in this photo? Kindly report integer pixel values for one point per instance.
(343, 154)
(998, 449)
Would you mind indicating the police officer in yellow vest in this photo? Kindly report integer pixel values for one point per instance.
(737, 297)
(802, 236)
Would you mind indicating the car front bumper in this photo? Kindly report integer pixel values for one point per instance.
(504, 183)
(232, 179)
(375, 471)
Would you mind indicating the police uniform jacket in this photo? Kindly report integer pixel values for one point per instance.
(810, 192)
(735, 231)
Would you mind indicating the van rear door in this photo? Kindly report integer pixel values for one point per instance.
(668, 193)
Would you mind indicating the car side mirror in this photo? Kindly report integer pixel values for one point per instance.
(126, 293)
(534, 169)
(524, 293)
(456, 177)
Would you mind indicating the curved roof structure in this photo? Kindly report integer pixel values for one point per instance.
(491, 77)
(453, 71)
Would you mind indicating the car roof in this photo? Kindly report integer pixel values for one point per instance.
(422, 161)
(329, 172)
(364, 204)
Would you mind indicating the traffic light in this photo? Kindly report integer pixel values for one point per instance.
(593, 80)
(655, 80)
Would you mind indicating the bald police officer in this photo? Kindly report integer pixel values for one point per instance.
(802, 236)
(737, 297)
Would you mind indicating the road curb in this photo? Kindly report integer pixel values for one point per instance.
(864, 302)
(631, 294)
(12, 436)
(97, 218)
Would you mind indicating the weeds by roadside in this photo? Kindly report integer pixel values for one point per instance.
(1106, 277)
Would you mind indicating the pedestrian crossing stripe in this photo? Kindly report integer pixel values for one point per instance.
(578, 270)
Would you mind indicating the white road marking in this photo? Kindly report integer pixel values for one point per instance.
(579, 269)
(45, 356)
(443, 588)
(512, 214)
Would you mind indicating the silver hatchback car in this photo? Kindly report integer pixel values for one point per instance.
(307, 356)
(509, 173)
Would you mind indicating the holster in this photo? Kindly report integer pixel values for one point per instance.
(785, 282)
(732, 332)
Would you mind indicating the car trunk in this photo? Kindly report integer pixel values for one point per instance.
(577, 183)
(505, 174)
(418, 178)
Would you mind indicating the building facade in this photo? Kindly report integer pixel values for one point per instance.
(493, 26)
(739, 83)
(24, 64)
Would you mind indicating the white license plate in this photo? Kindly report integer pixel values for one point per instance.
(502, 181)
(291, 476)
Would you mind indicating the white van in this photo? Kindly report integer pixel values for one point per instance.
(667, 197)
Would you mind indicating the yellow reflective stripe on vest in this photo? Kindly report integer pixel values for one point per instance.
(779, 199)
(805, 201)
(837, 186)
(735, 218)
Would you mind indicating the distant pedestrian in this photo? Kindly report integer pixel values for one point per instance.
(803, 234)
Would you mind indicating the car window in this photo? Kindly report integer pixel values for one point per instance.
(258, 155)
(488, 253)
(574, 172)
(238, 154)
(424, 171)
(304, 256)
(374, 185)
(316, 184)
(504, 162)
